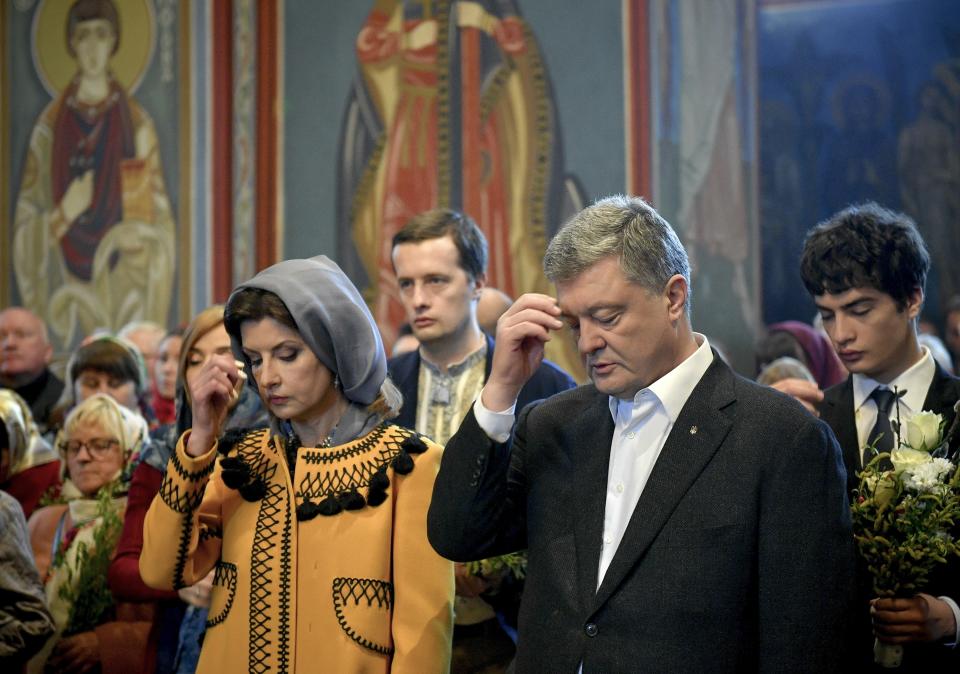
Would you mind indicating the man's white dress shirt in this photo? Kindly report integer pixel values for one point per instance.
(916, 381)
(641, 428)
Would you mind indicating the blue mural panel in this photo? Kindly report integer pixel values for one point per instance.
(858, 101)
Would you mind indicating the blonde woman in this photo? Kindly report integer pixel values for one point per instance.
(73, 542)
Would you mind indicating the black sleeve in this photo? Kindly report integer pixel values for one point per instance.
(479, 498)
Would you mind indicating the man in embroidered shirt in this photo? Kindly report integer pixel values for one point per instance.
(440, 259)
(678, 517)
(866, 268)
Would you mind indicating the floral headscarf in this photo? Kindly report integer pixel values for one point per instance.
(27, 446)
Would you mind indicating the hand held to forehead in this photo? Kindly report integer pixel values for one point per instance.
(212, 394)
(522, 333)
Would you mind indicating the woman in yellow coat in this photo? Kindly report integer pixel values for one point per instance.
(316, 527)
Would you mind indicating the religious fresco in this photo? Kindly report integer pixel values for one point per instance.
(451, 107)
(858, 101)
(703, 59)
(93, 230)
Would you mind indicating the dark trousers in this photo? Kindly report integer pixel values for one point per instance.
(483, 648)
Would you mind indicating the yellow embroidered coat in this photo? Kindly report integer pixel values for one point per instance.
(358, 590)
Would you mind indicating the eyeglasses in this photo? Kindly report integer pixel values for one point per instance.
(97, 447)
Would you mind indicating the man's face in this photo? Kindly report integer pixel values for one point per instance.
(952, 335)
(870, 334)
(148, 343)
(93, 43)
(24, 351)
(626, 335)
(437, 294)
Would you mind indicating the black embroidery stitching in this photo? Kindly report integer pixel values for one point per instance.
(186, 531)
(316, 488)
(195, 476)
(356, 589)
(373, 437)
(260, 628)
(183, 503)
(258, 467)
(224, 575)
(285, 583)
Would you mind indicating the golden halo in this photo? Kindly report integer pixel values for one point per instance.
(56, 67)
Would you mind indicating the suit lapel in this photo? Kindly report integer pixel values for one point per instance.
(839, 414)
(684, 456)
(591, 459)
(406, 376)
(942, 394)
(941, 397)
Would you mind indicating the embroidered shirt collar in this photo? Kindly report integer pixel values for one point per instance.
(915, 381)
(456, 369)
(674, 388)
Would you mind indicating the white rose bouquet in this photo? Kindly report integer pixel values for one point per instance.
(906, 521)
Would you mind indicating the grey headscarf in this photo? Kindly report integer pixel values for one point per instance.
(332, 319)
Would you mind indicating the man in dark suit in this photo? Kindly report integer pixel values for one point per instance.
(25, 355)
(677, 516)
(866, 268)
(440, 259)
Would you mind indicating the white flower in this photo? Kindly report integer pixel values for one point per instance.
(908, 459)
(925, 477)
(923, 431)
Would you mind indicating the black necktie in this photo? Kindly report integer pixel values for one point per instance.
(884, 398)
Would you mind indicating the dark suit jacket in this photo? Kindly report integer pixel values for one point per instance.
(42, 395)
(837, 410)
(738, 555)
(405, 372)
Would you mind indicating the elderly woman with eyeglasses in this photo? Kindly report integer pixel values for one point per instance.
(73, 543)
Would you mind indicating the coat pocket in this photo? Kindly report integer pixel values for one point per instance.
(224, 590)
(364, 608)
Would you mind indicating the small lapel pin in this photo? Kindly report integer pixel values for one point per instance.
(693, 430)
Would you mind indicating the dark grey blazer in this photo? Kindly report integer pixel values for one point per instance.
(738, 556)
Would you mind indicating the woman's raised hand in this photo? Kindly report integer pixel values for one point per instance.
(215, 388)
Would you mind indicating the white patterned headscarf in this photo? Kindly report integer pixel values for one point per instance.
(130, 428)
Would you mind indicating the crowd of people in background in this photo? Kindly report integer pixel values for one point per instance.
(251, 490)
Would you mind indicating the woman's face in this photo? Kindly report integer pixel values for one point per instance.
(94, 457)
(93, 43)
(213, 342)
(165, 370)
(293, 382)
(90, 382)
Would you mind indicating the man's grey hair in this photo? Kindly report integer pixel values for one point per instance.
(646, 245)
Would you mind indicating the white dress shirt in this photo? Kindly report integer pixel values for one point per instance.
(641, 428)
(916, 381)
